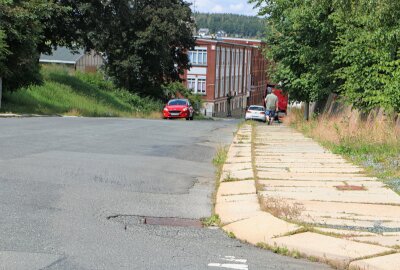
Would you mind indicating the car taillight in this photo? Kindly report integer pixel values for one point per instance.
(248, 111)
(262, 112)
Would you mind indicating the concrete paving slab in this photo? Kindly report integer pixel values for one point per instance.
(388, 262)
(12, 260)
(242, 143)
(391, 234)
(305, 155)
(377, 196)
(274, 164)
(296, 152)
(237, 166)
(348, 223)
(344, 233)
(240, 175)
(271, 184)
(327, 248)
(313, 176)
(239, 153)
(237, 188)
(233, 211)
(325, 169)
(260, 228)
(377, 211)
(233, 159)
(295, 160)
(237, 198)
(237, 150)
(274, 170)
(387, 241)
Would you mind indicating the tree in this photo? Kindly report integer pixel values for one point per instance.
(3, 53)
(31, 28)
(368, 52)
(299, 43)
(232, 24)
(144, 41)
(351, 47)
(22, 31)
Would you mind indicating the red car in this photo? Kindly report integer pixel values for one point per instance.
(178, 108)
(282, 100)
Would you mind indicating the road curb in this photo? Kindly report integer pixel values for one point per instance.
(242, 217)
(13, 115)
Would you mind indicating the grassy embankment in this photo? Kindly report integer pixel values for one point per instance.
(372, 145)
(67, 92)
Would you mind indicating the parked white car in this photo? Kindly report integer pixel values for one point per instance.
(255, 112)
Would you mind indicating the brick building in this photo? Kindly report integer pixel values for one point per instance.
(230, 73)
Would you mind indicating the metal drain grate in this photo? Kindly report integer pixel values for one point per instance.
(176, 222)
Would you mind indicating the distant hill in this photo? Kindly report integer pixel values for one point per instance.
(232, 24)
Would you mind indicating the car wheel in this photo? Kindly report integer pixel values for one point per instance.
(187, 118)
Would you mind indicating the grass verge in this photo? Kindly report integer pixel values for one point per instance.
(373, 145)
(218, 162)
(67, 92)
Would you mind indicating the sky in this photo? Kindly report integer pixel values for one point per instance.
(224, 6)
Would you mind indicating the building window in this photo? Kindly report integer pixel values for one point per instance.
(197, 85)
(191, 83)
(201, 86)
(198, 56)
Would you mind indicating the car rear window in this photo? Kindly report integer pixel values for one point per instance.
(177, 102)
(256, 108)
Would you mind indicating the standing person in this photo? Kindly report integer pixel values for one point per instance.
(271, 105)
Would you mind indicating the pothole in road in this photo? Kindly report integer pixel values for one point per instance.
(161, 221)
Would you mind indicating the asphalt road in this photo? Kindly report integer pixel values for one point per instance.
(61, 179)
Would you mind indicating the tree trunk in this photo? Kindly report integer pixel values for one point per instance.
(1, 90)
(306, 111)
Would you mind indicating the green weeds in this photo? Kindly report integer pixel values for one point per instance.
(68, 92)
(211, 221)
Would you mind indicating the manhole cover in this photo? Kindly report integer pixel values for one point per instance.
(166, 221)
(350, 187)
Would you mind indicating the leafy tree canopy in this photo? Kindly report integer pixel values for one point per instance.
(346, 46)
(30, 28)
(144, 41)
(368, 52)
(3, 52)
(299, 42)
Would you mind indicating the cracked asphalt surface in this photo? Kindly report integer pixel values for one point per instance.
(60, 178)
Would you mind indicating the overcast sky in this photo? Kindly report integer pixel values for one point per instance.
(224, 6)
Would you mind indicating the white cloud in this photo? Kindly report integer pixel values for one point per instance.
(218, 9)
(236, 7)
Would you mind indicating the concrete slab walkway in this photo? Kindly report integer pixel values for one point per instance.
(284, 191)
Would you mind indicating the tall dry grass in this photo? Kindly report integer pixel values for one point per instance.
(343, 128)
(373, 144)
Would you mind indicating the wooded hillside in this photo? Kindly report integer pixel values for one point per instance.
(232, 24)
